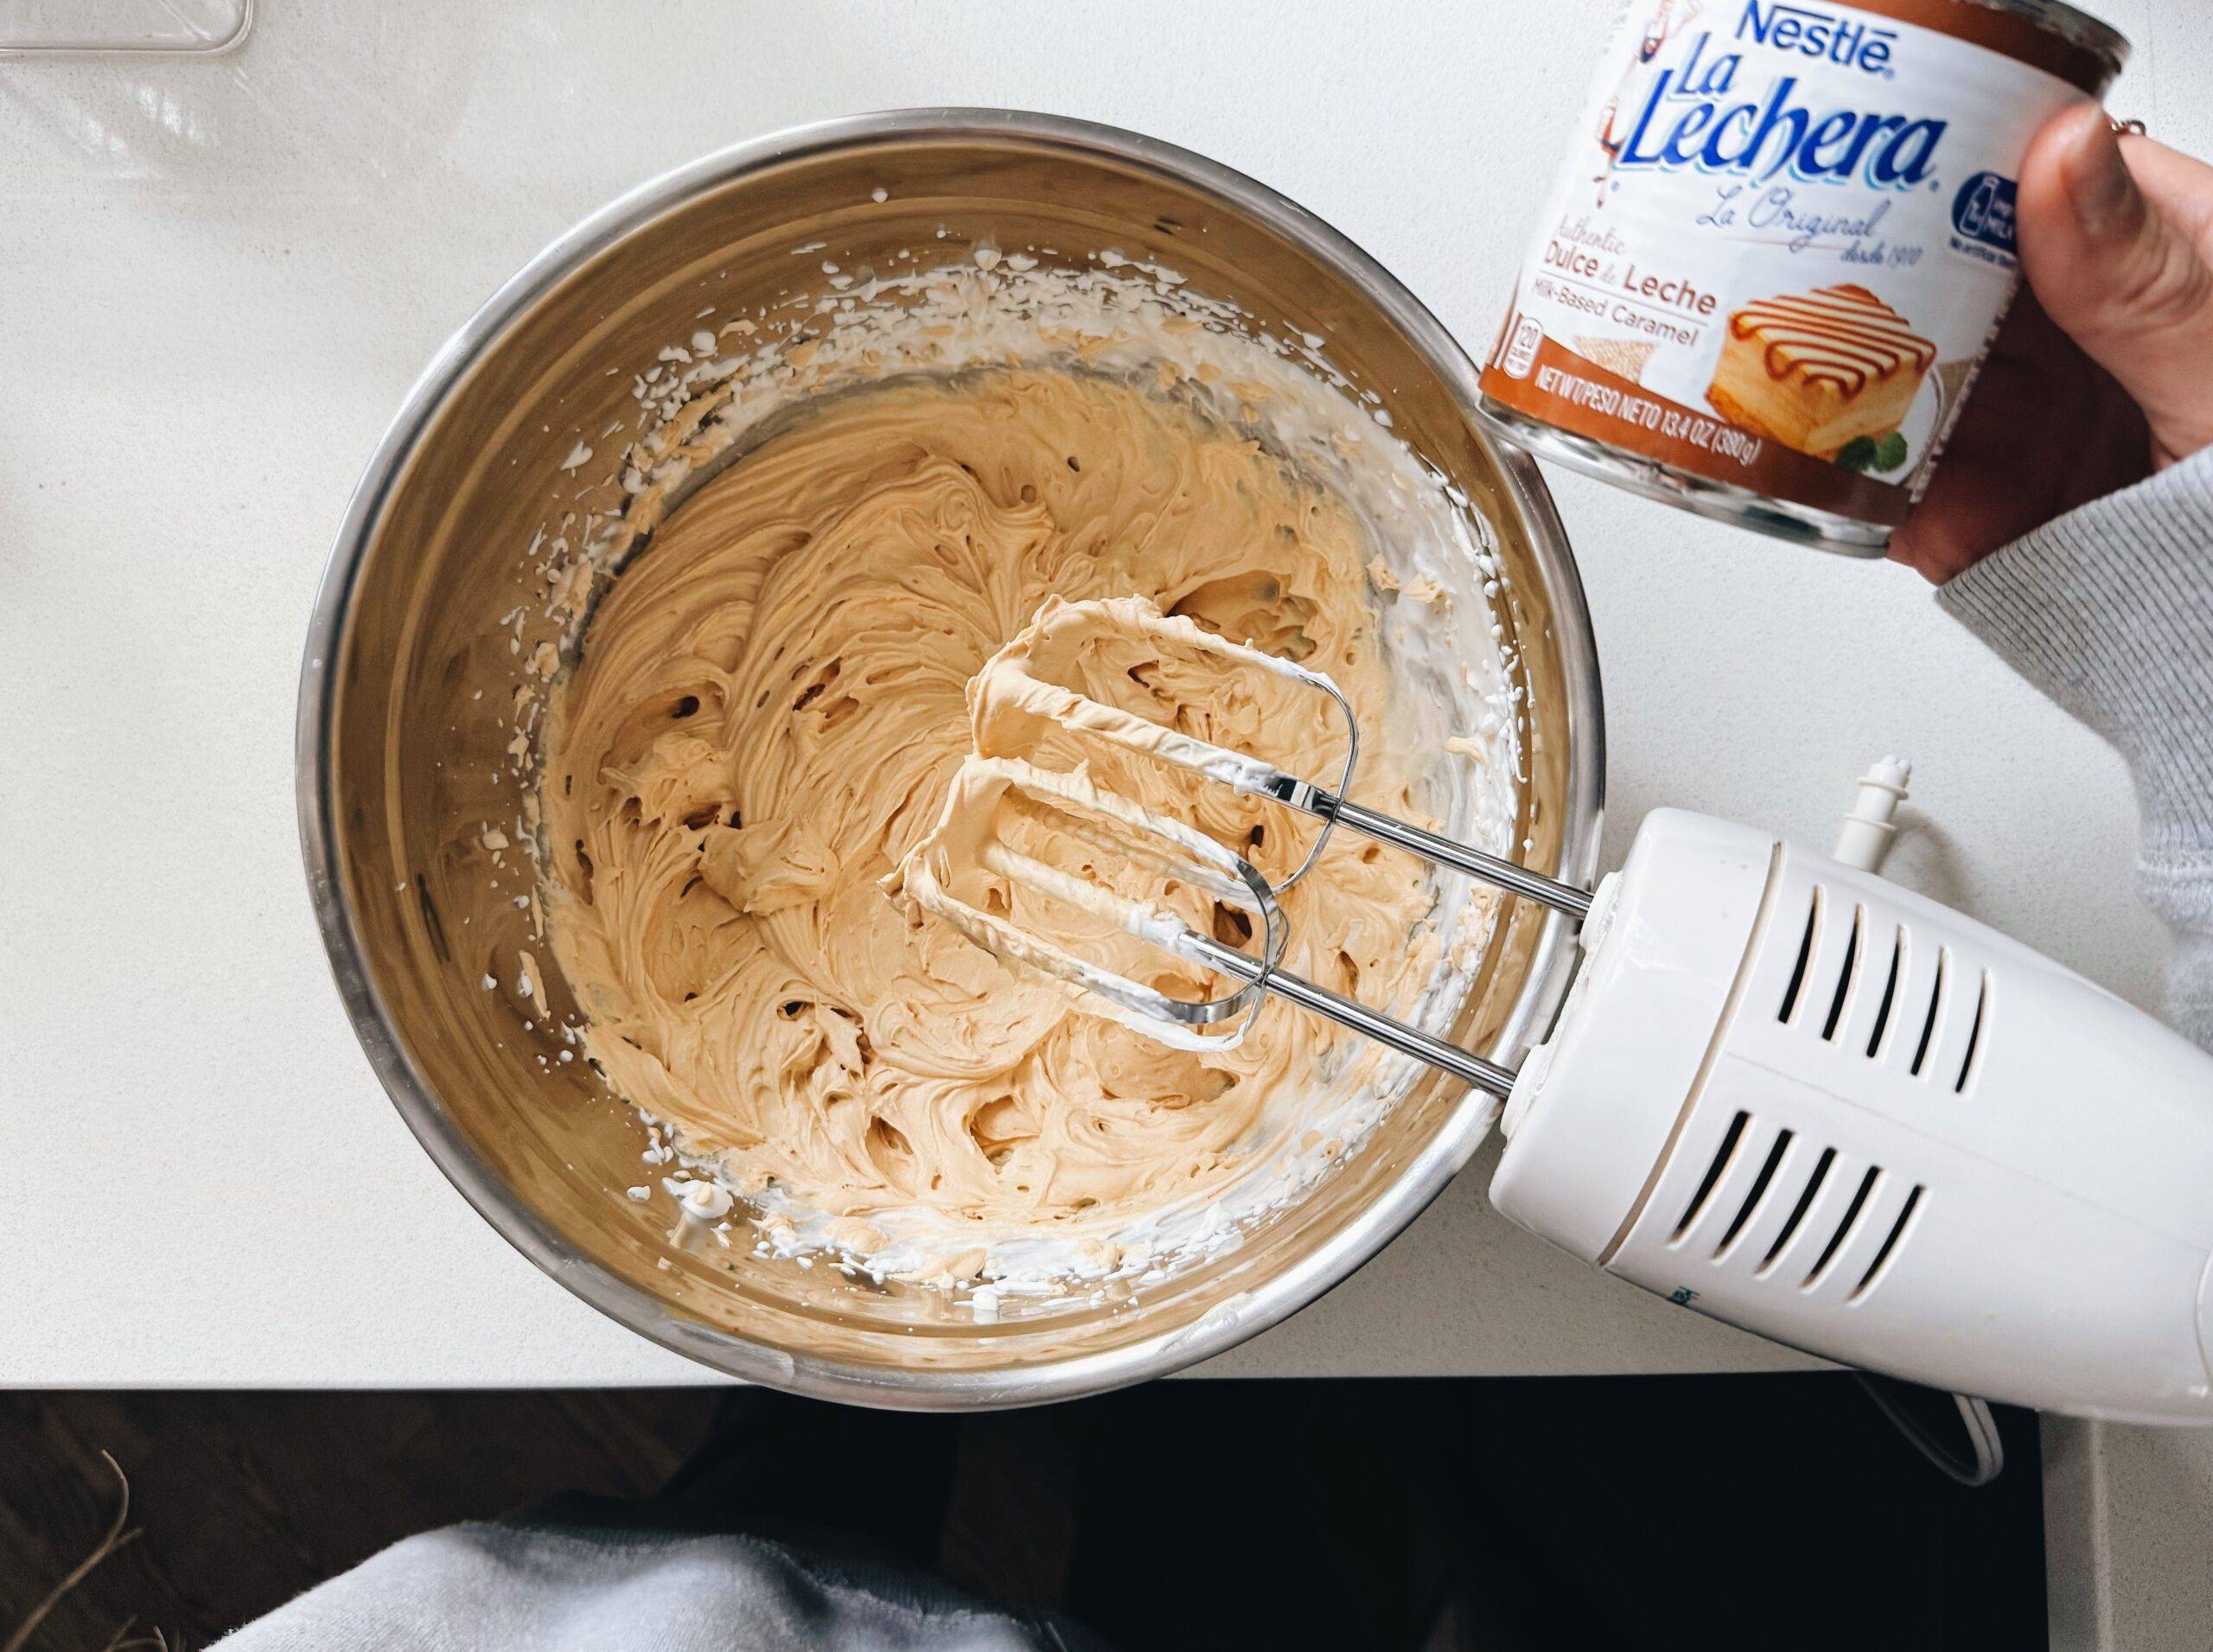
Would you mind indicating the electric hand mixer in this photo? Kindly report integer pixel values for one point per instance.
(1783, 1091)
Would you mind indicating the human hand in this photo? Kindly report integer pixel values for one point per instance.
(2104, 372)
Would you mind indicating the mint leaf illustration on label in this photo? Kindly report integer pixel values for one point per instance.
(1865, 453)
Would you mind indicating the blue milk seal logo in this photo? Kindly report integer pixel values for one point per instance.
(1982, 219)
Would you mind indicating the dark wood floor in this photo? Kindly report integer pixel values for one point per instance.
(1672, 1515)
(243, 1500)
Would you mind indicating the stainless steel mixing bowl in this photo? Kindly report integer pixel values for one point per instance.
(399, 752)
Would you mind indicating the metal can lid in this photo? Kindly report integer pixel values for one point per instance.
(2072, 24)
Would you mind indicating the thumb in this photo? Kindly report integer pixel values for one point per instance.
(2115, 248)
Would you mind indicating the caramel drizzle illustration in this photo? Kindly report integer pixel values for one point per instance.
(1843, 335)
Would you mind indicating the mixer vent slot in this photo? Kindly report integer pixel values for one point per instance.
(1890, 995)
(1722, 1155)
(1844, 1227)
(1974, 1036)
(1798, 1211)
(1759, 1192)
(1790, 993)
(1845, 976)
(1935, 1011)
(1874, 1273)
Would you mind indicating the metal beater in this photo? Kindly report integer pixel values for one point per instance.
(1783, 1091)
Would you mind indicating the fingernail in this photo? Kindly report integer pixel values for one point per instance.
(2098, 181)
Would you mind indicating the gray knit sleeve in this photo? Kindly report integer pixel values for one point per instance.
(2110, 611)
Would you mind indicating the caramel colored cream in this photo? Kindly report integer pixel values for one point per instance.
(767, 710)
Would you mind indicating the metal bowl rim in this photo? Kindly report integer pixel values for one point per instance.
(1227, 1324)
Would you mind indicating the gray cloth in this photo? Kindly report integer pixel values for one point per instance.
(502, 1588)
(2110, 611)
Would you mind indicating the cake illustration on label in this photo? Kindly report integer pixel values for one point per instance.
(1819, 371)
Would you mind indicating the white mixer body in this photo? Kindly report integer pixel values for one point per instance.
(1797, 1097)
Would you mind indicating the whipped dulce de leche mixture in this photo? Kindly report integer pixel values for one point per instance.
(767, 709)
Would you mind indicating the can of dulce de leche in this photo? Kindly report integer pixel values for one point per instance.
(1777, 255)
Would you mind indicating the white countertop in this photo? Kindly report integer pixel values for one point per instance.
(217, 279)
